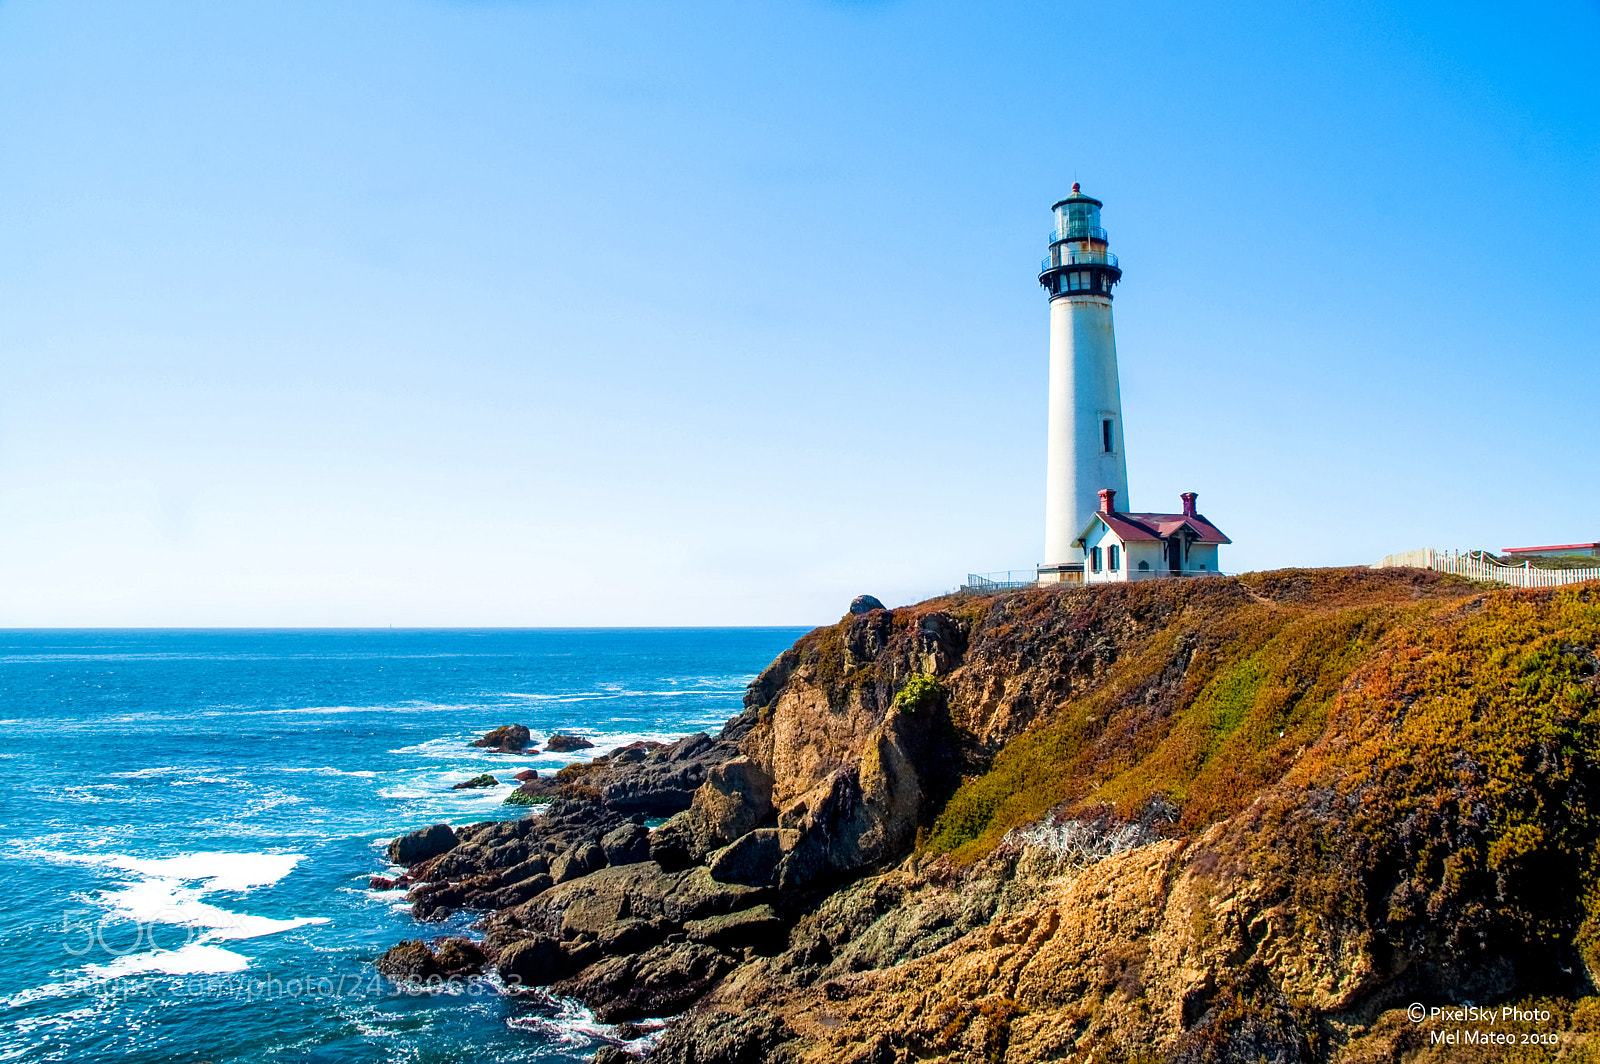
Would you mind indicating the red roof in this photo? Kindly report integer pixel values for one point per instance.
(1155, 527)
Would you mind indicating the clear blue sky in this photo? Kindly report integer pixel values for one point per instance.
(558, 313)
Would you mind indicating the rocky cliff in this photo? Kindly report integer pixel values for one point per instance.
(1211, 820)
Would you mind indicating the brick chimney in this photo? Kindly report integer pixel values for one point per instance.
(1188, 498)
(1108, 500)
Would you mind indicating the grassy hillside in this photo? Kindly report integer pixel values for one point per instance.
(1220, 697)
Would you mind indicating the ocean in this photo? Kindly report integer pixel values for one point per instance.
(190, 819)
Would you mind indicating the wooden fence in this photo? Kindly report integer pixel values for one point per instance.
(1473, 565)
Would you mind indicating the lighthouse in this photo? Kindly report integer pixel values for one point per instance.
(1085, 448)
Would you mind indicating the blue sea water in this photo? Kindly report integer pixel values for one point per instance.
(189, 820)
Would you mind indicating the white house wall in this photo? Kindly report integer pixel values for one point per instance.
(1103, 537)
(1202, 556)
(1145, 551)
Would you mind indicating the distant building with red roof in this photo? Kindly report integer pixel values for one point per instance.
(1118, 547)
(1561, 550)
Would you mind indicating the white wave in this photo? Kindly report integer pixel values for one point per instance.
(434, 748)
(574, 1025)
(147, 773)
(361, 773)
(171, 891)
(221, 871)
(193, 959)
(163, 897)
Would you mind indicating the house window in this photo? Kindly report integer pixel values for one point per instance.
(1094, 559)
(1113, 557)
(1106, 436)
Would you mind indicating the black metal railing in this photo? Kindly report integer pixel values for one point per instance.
(1080, 258)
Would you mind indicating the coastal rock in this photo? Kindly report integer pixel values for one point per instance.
(759, 928)
(633, 935)
(533, 961)
(672, 845)
(563, 743)
(736, 796)
(512, 893)
(507, 739)
(647, 779)
(525, 775)
(476, 783)
(694, 895)
(865, 604)
(459, 956)
(422, 844)
(413, 960)
(633, 752)
(504, 863)
(578, 860)
(659, 982)
(754, 858)
(627, 844)
(533, 866)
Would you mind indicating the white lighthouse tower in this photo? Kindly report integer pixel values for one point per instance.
(1085, 452)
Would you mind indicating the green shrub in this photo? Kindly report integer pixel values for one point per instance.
(920, 691)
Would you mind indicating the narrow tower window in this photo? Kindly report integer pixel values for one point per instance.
(1105, 435)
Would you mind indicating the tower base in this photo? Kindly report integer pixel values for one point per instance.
(1061, 573)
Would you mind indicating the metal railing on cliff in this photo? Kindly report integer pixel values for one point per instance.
(1474, 566)
(1006, 580)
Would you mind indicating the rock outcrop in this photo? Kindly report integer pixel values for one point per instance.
(1182, 821)
(562, 743)
(422, 844)
(865, 604)
(508, 739)
(415, 962)
(645, 778)
(476, 783)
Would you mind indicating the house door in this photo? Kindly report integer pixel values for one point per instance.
(1175, 555)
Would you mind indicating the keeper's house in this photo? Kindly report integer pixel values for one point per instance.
(1120, 547)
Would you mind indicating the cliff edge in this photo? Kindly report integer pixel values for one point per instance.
(1205, 820)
